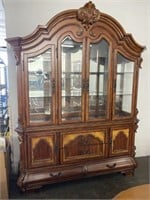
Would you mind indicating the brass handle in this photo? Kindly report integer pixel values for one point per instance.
(85, 85)
(111, 166)
(85, 169)
(55, 174)
(53, 86)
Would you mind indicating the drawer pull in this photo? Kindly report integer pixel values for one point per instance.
(111, 166)
(55, 174)
(85, 169)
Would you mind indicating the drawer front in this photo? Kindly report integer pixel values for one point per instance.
(41, 150)
(112, 164)
(59, 173)
(54, 175)
(83, 145)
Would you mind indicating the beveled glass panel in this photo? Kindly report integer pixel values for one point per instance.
(124, 86)
(39, 81)
(98, 80)
(71, 79)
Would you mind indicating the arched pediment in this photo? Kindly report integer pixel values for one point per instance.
(86, 21)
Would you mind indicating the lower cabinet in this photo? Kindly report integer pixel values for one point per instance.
(65, 155)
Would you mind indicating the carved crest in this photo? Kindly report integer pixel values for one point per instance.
(88, 14)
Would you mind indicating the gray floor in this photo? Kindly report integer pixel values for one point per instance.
(100, 187)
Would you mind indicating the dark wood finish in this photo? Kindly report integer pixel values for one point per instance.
(76, 133)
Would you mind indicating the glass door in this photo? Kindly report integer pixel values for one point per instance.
(123, 87)
(98, 80)
(71, 79)
(40, 87)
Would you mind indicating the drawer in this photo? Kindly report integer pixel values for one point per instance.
(116, 164)
(54, 175)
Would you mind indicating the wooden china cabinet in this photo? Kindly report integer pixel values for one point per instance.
(77, 94)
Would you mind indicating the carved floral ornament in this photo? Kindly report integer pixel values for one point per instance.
(88, 15)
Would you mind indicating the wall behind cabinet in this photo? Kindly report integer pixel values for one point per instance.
(22, 17)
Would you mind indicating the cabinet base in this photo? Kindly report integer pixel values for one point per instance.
(36, 178)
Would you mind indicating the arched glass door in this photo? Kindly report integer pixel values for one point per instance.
(71, 80)
(123, 87)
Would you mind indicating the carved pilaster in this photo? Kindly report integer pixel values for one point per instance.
(136, 121)
(16, 45)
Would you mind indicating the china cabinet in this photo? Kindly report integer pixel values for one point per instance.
(77, 94)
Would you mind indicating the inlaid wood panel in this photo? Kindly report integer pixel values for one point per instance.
(84, 145)
(42, 151)
(120, 141)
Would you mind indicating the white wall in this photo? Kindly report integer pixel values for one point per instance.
(22, 17)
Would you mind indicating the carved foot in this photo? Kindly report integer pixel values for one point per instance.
(129, 172)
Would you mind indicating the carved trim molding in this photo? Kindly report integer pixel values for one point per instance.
(88, 15)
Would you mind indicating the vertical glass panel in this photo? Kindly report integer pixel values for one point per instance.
(124, 86)
(98, 80)
(40, 94)
(71, 79)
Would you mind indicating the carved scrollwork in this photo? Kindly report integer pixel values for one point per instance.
(88, 15)
(133, 151)
(140, 62)
(136, 121)
(20, 138)
(20, 180)
(17, 55)
(80, 32)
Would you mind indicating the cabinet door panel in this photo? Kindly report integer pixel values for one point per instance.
(71, 80)
(40, 78)
(42, 150)
(98, 80)
(120, 141)
(83, 145)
